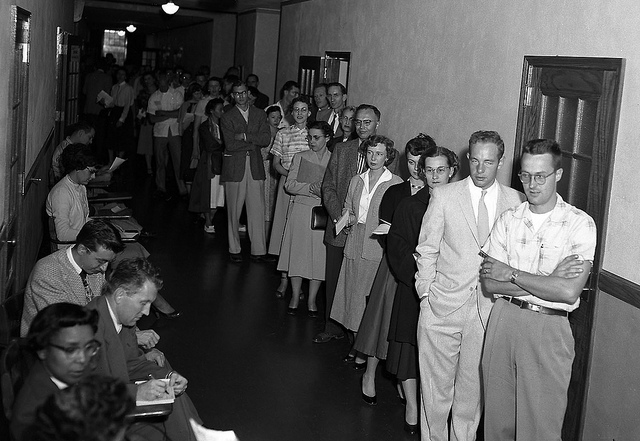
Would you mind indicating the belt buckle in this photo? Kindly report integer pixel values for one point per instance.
(531, 306)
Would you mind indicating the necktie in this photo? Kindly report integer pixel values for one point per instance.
(483, 220)
(87, 289)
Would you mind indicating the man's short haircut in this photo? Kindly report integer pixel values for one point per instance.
(336, 84)
(218, 79)
(252, 75)
(374, 140)
(208, 109)
(433, 152)
(272, 109)
(487, 136)
(348, 108)
(325, 86)
(79, 126)
(94, 409)
(237, 83)
(301, 99)
(77, 157)
(232, 79)
(254, 91)
(51, 319)
(96, 233)
(419, 144)
(323, 126)
(369, 107)
(542, 146)
(191, 89)
(131, 275)
(288, 86)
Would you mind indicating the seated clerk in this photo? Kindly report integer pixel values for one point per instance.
(94, 409)
(62, 337)
(76, 275)
(127, 296)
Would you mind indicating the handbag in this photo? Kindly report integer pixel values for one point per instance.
(319, 218)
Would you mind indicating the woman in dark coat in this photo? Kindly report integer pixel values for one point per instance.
(438, 165)
(207, 193)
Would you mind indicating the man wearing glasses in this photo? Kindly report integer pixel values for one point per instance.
(453, 309)
(529, 348)
(129, 291)
(62, 336)
(245, 131)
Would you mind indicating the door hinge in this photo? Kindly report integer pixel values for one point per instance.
(528, 96)
(21, 183)
(62, 49)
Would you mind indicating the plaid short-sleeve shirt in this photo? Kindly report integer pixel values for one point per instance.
(568, 230)
(288, 142)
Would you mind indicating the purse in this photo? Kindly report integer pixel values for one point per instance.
(319, 218)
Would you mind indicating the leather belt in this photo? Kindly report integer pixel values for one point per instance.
(536, 308)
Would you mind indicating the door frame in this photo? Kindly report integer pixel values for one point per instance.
(616, 65)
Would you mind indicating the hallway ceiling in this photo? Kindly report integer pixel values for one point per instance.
(148, 17)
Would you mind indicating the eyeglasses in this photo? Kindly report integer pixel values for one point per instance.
(244, 92)
(438, 171)
(525, 177)
(89, 350)
(314, 137)
(347, 118)
(366, 123)
(92, 170)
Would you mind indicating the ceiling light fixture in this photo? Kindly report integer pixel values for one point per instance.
(131, 28)
(170, 8)
(120, 33)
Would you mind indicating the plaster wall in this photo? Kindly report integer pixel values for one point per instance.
(193, 55)
(450, 68)
(245, 41)
(224, 43)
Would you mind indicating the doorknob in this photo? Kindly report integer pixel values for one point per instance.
(35, 180)
(10, 241)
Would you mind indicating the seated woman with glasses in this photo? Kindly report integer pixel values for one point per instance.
(62, 337)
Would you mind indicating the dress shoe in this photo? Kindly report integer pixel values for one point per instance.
(312, 313)
(235, 258)
(372, 401)
(262, 258)
(325, 337)
(168, 315)
(279, 294)
(349, 358)
(292, 311)
(411, 429)
(359, 366)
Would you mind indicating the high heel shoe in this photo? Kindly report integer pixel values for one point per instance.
(292, 311)
(411, 429)
(372, 401)
(359, 366)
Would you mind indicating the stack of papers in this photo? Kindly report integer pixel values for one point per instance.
(204, 434)
(168, 398)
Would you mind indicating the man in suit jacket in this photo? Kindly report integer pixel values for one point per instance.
(128, 294)
(244, 130)
(74, 274)
(262, 100)
(345, 162)
(453, 309)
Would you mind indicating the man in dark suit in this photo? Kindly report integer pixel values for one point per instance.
(346, 161)
(245, 130)
(262, 100)
(128, 294)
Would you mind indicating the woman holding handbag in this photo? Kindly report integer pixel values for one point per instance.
(207, 193)
(303, 254)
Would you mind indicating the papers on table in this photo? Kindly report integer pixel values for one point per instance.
(204, 434)
(114, 207)
(128, 228)
(106, 97)
(382, 229)
(117, 162)
(342, 222)
(167, 398)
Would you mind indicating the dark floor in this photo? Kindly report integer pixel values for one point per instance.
(251, 367)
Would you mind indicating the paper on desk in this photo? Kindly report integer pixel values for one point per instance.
(117, 162)
(382, 229)
(342, 222)
(168, 398)
(104, 96)
(114, 207)
(204, 434)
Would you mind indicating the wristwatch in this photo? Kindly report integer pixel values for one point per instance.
(514, 276)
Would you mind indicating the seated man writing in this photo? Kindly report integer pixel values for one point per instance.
(126, 297)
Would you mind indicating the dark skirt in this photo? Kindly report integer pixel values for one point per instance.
(402, 356)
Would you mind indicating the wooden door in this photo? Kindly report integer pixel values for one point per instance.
(575, 101)
(12, 161)
(309, 74)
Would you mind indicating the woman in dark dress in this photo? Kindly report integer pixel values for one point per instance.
(438, 165)
(188, 153)
(371, 341)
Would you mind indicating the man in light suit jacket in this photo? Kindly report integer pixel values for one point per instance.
(344, 164)
(129, 291)
(74, 274)
(245, 130)
(453, 309)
